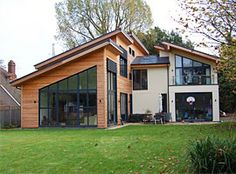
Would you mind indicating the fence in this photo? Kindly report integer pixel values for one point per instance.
(9, 116)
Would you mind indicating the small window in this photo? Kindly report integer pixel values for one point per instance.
(133, 53)
(123, 67)
(140, 79)
(130, 51)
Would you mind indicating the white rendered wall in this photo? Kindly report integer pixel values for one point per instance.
(214, 89)
(144, 100)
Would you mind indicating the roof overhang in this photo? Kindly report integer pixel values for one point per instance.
(38, 72)
(83, 46)
(165, 46)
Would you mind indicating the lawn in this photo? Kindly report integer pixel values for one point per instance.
(132, 149)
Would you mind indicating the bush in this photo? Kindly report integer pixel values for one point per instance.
(212, 155)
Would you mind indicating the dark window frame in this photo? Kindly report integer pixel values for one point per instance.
(123, 67)
(142, 82)
(124, 96)
(195, 79)
(77, 91)
(133, 53)
(130, 50)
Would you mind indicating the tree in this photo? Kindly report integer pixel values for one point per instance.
(155, 36)
(228, 62)
(82, 20)
(216, 20)
(227, 77)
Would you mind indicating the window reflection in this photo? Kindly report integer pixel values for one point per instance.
(191, 72)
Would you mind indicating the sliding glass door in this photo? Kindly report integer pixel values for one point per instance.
(193, 106)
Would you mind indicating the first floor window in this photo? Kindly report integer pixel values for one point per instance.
(191, 72)
(140, 79)
(123, 67)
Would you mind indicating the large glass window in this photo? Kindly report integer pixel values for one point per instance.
(193, 106)
(191, 72)
(70, 102)
(140, 81)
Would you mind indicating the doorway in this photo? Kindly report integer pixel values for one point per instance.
(111, 99)
(124, 106)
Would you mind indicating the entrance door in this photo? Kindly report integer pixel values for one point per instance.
(124, 106)
(164, 102)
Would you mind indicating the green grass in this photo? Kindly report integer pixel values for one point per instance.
(132, 149)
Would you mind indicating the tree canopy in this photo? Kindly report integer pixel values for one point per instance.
(82, 20)
(154, 36)
(216, 20)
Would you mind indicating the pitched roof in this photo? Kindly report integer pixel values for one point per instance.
(139, 42)
(150, 60)
(83, 47)
(3, 71)
(66, 59)
(165, 46)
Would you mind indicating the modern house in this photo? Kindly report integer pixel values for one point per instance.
(104, 80)
(180, 81)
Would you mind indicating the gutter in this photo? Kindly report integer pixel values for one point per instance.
(10, 95)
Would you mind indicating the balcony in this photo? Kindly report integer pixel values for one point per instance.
(194, 80)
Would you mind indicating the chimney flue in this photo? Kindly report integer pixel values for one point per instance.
(11, 70)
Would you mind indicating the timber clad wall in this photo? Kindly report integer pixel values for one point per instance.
(125, 84)
(30, 88)
(29, 91)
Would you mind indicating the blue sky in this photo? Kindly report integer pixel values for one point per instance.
(28, 28)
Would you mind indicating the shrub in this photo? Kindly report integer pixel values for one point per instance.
(212, 155)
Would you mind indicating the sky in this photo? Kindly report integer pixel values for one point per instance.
(28, 29)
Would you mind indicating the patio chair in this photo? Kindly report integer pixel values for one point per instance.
(158, 118)
(148, 118)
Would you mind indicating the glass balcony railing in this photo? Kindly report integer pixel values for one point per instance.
(194, 80)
